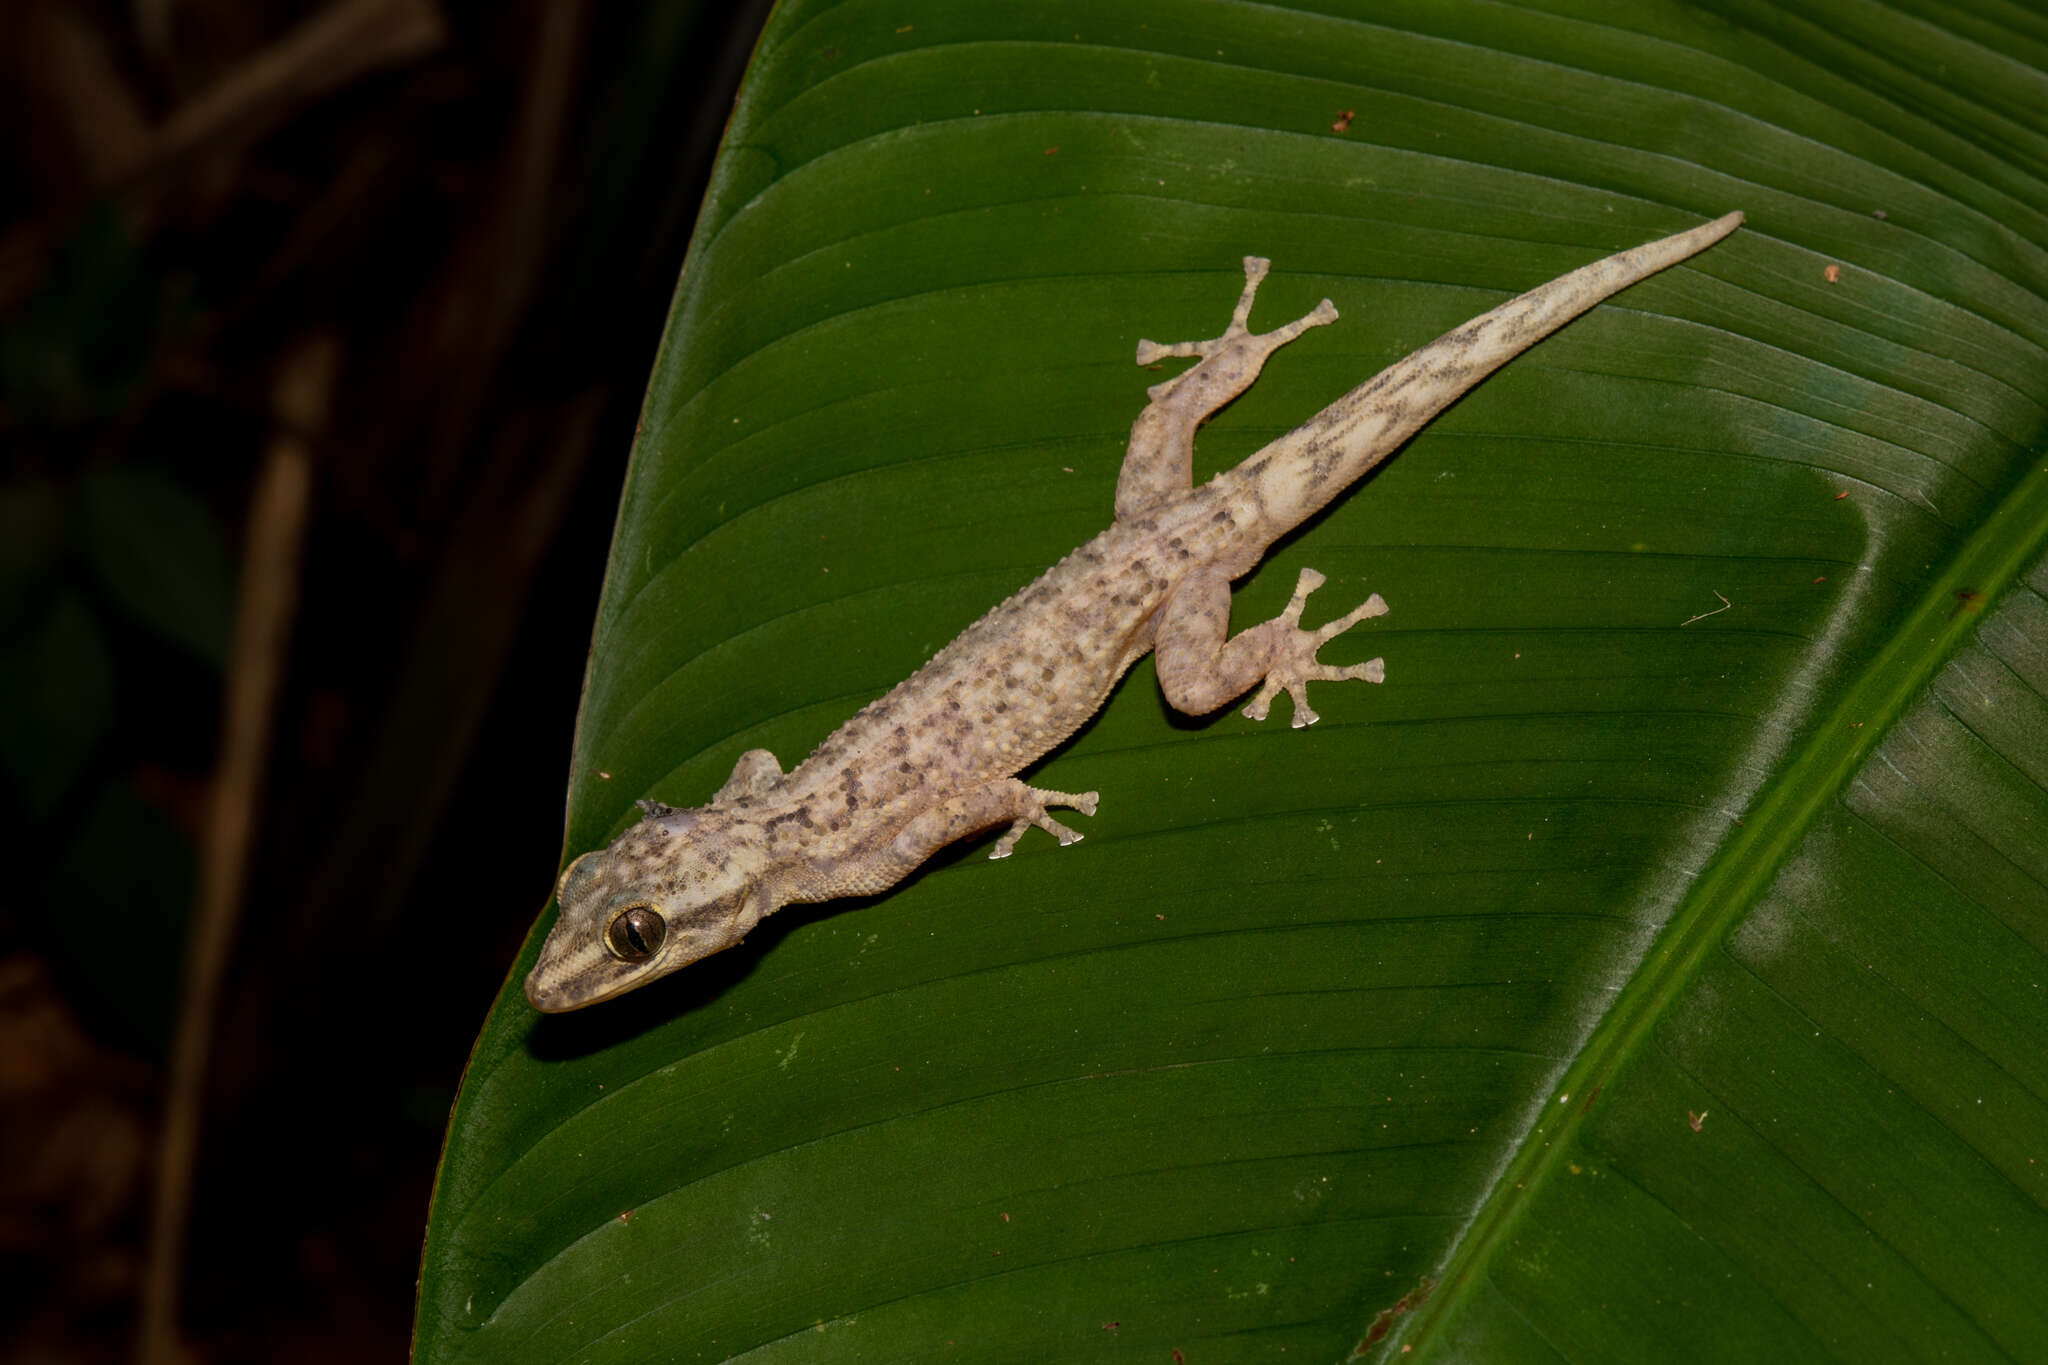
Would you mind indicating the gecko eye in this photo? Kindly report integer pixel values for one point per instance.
(635, 933)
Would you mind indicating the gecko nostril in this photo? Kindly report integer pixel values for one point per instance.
(635, 933)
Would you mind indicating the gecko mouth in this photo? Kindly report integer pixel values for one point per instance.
(566, 995)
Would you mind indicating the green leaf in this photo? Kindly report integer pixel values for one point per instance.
(33, 533)
(161, 554)
(1651, 969)
(76, 350)
(120, 889)
(57, 692)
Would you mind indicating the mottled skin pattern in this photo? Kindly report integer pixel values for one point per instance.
(935, 760)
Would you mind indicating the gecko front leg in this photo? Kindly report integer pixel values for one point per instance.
(1201, 667)
(754, 775)
(991, 803)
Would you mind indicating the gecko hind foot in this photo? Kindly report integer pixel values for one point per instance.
(1034, 813)
(1295, 666)
(1255, 268)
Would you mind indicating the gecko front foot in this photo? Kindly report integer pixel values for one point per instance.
(1031, 810)
(1294, 665)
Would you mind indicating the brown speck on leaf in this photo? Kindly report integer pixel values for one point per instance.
(1111, 1326)
(1052, 151)
(1006, 1218)
(1384, 1323)
(1968, 600)
(1343, 123)
(1822, 579)
(1843, 494)
(1591, 1095)
(1694, 1121)
(1178, 1358)
(906, 28)
(626, 1217)
(1833, 273)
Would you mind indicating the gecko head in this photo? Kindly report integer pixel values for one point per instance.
(677, 887)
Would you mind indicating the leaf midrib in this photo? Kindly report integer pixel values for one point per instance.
(1993, 560)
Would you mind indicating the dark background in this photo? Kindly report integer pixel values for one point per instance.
(428, 246)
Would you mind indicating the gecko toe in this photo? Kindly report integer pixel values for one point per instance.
(1294, 663)
(1031, 810)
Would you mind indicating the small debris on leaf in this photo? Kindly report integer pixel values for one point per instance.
(1725, 605)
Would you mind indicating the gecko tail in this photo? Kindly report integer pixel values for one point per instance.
(1309, 466)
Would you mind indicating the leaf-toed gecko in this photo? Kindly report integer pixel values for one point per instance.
(936, 759)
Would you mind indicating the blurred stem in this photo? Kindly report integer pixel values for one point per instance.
(268, 598)
(337, 46)
(342, 43)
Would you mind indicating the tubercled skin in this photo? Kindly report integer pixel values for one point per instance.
(937, 758)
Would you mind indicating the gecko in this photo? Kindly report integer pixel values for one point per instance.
(937, 758)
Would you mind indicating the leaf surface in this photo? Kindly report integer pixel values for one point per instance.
(1653, 966)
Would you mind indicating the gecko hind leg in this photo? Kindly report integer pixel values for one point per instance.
(1201, 666)
(1297, 667)
(1159, 462)
(1255, 268)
